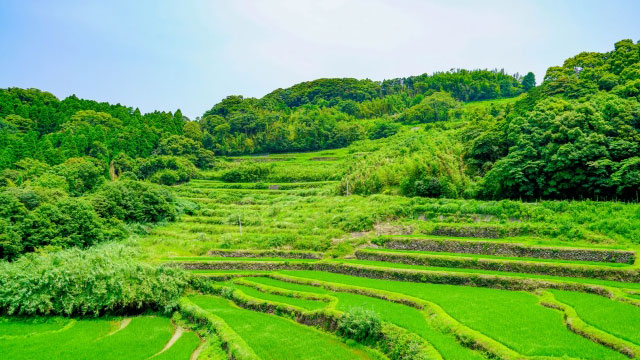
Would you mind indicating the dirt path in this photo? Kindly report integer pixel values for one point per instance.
(176, 335)
(123, 324)
(197, 351)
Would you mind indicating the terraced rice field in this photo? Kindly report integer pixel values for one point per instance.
(279, 262)
(462, 297)
(140, 337)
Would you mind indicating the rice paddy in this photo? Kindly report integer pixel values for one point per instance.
(263, 250)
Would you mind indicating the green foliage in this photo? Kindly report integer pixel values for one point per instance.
(435, 107)
(65, 223)
(383, 129)
(82, 175)
(134, 201)
(570, 149)
(528, 81)
(104, 279)
(408, 161)
(246, 171)
(166, 170)
(360, 324)
(425, 186)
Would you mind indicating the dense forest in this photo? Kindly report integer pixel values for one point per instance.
(575, 136)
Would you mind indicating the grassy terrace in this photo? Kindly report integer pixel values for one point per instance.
(383, 264)
(219, 258)
(298, 207)
(387, 265)
(58, 338)
(505, 258)
(401, 315)
(273, 337)
(540, 331)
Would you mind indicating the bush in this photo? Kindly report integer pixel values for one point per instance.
(135, 201)
(166, 177)
(424, 186)
(104, 279)
(10, 241)
(383, 129)
(246, 172)
(68, 222)
(82, 174)
(361, 325)
(182, 170)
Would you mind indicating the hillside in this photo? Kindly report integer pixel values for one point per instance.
(457, 215)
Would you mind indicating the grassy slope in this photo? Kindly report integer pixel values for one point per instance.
(617, 284)
(89, 339)
(401, 315)
(303, 303)
(617, 318)
(273, 337)
(181, 349)
(511, 317)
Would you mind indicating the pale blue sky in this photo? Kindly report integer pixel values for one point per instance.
(190, 54)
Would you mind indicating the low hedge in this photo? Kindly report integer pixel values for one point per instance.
(232, 343)
(105, 279)
(240, 265)
(577, 325)
(286, 254)
(508, 249)
(289, 293)
(487, 232)
(555, 269)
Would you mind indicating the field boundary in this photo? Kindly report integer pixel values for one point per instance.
(287, 254)
(411, 275)
(431, 312)
(555, 269)
(574, 323)
(508, 249)
(392, 341)
(235, 347)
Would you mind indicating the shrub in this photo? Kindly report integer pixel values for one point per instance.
(166, 177)
(68, 222)
(184, 169)
(246, 172)
(10, 241)
(361, 325)
(104, 279)
(383, 129)
(82, 174)
(135, 201)
(424, 186)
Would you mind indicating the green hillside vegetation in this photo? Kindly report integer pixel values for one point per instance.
(467, 214)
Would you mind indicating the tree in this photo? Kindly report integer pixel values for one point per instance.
(192, 131)
(528, 81)
(432, 108)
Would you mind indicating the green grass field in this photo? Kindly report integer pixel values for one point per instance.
(273, 337)
(58, 338)
(299, 207)
(619, 319)
(307, 212)
(512, 318)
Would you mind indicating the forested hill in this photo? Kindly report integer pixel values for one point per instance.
(576, 135)
(332, 113)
